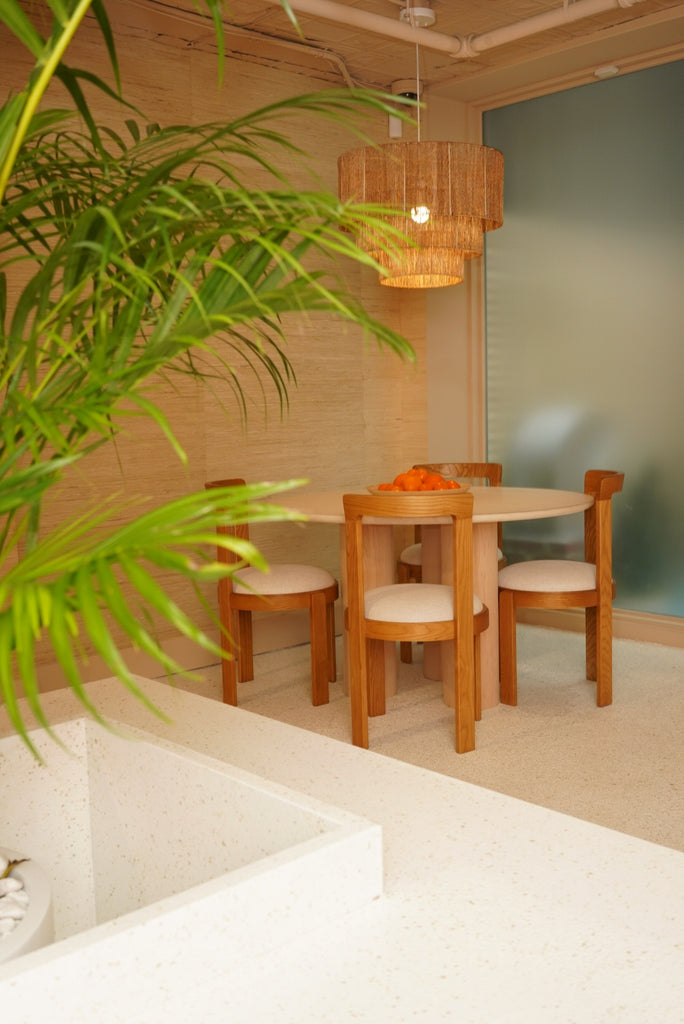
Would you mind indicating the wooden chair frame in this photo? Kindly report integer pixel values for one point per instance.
(235, 614)
(598, 602)
(368, 636)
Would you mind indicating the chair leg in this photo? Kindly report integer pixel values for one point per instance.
(590, 627)
(604, 656)
(375, 661)
(229, 680)
(478, 678)
(464, 701)
(320, 653)
(508, 668)
(358, 691)
(330, 633)
(228, 662)
(245, 648)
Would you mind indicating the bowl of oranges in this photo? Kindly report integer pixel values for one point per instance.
(418, 479)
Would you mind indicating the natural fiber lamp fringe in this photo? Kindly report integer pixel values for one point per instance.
(446, 194)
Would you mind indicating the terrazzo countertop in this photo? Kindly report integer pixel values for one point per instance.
(493, 909)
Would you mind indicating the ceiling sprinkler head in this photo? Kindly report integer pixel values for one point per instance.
(417, 17)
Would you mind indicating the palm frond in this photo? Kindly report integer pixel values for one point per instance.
(190, 262)
(143, 258)
(67, 590)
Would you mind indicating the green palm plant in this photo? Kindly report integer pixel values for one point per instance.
(139, 257)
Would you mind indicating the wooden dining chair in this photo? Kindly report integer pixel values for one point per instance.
(413, 611)
(559, 583)
(410, 561)
(284, 587)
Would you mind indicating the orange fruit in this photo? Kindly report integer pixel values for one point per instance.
(433, 481)
(400, 480)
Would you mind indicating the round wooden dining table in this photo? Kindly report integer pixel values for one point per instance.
(491, 505)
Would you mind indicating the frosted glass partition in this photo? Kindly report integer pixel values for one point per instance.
(585, 332)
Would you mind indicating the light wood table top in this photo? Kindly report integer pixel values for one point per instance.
(490, 504)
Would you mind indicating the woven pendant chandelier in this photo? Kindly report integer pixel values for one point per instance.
(446, 194)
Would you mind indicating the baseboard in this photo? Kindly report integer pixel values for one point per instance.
(627, 625)
(272, 632)
(278, 631)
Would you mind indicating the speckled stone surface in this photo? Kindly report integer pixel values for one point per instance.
(493, 909)
(150, 836)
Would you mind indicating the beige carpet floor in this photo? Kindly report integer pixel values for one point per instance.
(621, 766)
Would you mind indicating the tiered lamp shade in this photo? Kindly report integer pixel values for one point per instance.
(446, 194)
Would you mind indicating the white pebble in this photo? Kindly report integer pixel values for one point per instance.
(10, 885)
(19, 898)
(11, 910)
(14, 900)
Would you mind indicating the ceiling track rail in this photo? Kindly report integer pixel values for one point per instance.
(457, 47)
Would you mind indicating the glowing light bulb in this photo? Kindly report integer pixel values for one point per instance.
(420, 214)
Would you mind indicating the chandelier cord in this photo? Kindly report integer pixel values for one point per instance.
(418, 86)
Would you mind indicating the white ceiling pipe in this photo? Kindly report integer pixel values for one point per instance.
(352, 17)
(541, 22)
(455, 46)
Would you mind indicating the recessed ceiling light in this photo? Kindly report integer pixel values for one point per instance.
(607, 71)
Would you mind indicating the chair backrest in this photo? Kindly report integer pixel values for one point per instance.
(602, 484)
(424, 505)
(492, 472)
(240, 530)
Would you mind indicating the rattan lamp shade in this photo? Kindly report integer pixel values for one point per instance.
(446, 194)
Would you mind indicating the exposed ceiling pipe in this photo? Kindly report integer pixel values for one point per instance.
(541, 22)
(455, 46)
(353, 17)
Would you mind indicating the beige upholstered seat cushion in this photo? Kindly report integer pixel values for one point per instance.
(551, 575)
(413, 602)
(282, 579)
(413, 554)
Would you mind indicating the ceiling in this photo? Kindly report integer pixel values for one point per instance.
(260, 31)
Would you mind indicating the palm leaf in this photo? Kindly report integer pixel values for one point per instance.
(66, 589)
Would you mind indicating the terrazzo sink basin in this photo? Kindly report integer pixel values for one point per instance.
(147, 843)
